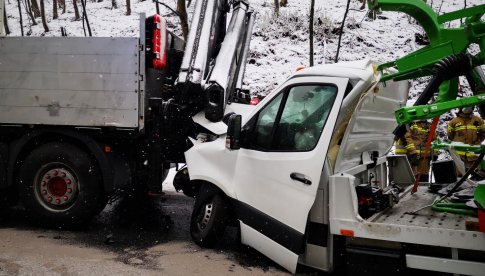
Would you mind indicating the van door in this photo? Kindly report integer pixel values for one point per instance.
(279, 165)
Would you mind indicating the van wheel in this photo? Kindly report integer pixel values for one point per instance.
(59, 186)
(208, 220)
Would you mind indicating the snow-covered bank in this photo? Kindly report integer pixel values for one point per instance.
(279, 44)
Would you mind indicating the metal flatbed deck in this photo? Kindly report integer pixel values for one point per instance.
(426, 227)
(399, 213)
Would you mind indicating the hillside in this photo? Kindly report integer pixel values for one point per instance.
(279, 44)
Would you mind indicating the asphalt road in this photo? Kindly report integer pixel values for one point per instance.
(133, 236)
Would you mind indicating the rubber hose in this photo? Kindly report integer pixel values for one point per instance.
(445, 69)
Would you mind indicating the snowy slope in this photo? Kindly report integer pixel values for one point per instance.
(279, 45)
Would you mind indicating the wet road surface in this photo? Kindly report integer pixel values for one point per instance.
(136, 235)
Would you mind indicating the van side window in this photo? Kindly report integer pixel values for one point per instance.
(263, 129)
(294, 120)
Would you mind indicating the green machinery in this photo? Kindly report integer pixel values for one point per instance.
(444, 59)
(446, 45)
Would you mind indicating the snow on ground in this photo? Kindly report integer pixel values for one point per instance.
(279, 44)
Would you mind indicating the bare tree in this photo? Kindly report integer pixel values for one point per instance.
(182, 12)
(76, 10)
(5, 22)
(85, 18)
(128, 7)
(42, 14)
(284, 3)
(312, 14)
(54, 9)
(35, 8)
(20, 17)
(62, 4)
(29, 12)
(342, 30)
(277, 7)
(114, 5)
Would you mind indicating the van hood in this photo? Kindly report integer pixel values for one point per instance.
(220, 128)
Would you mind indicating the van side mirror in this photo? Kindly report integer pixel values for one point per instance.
(233, 138)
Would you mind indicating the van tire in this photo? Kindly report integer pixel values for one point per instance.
(208, 220)
(60, 186)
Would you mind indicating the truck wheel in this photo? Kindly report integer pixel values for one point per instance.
(59, 186)
(208, 220)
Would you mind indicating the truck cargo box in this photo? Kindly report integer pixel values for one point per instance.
(89, 82)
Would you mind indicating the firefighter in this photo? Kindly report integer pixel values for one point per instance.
(468, 129)
(413, 144)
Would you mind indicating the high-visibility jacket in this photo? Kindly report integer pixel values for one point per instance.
(468, 129)
(401, 146)
(416, 139)
(413, 144)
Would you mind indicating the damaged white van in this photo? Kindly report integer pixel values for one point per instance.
(305, 176)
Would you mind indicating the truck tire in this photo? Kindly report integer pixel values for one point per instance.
(60, 186)
(208, 220)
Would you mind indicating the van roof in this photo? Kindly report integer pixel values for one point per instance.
(360, 70)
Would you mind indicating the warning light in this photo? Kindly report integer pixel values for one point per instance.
(107, 149)
(254, 101)
(159, 43)
(298, 68)
(347, 232)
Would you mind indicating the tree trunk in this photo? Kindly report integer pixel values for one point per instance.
(284, 3)
(182, 11)
(342, 31)
(85, 17)
(42, 14)
(277, 7)
(5, 22)
(35, 8)
(76, 10)
(128, 7)
(30, 13)
(114, 5)
(62, 4)
(54, 9)
(20, 17)
(312, 14)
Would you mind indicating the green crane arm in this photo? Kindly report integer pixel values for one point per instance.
(405, 115)
(443, 41)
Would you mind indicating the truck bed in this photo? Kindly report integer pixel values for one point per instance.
(426, 227)
(399, 214)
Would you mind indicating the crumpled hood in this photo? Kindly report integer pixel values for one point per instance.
(220, 128)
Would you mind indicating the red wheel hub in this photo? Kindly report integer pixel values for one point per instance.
(57, 186)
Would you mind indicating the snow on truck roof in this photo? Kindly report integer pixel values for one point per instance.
(361, 69)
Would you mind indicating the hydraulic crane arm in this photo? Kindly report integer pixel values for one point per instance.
(444, 45)
(407, 115)
(215, 57)
(443, 41)
(230, 64)
(445, 58)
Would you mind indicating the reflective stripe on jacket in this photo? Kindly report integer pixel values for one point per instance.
(400, 147)
(466, 129)
(417, 137)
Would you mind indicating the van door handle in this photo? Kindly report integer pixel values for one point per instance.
(300, 177)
